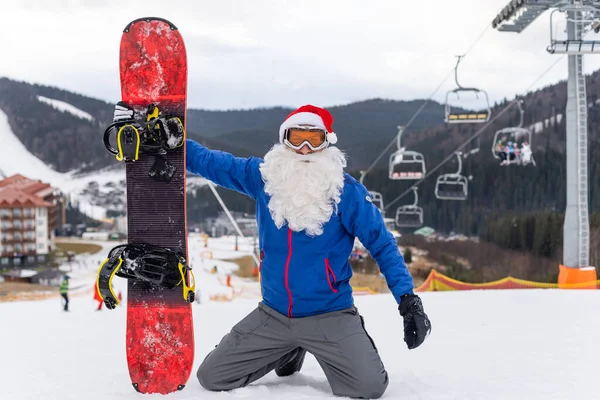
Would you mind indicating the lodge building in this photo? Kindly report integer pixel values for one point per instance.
(29, 214)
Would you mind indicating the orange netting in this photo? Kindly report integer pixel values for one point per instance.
(439, 282)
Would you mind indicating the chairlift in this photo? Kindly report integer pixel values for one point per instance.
(377, 200)
(406, 164)
(410, 215)
(376, 197)
(452, 186)
(454, 117)
(516, 138)
(588, 16)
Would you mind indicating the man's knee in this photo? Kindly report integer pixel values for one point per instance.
(368, 386)
(375, 387)
(208, 377)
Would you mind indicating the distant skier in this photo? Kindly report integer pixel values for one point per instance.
(309, 213)
(63, 289)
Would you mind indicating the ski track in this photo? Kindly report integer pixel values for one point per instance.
(503, 344)
(66, 107)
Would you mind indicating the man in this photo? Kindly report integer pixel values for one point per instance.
(63, 289)
(309, 213)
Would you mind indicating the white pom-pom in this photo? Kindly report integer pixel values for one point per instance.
(332, 137)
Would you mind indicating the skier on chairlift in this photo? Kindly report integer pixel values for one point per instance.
(526, 153)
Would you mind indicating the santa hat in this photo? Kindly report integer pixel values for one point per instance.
(310, 115)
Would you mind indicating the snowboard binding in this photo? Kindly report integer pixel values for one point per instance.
(156, 265)
(157, 135)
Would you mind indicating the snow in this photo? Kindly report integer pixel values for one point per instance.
(512, 344)
(539, 126)
(28, 273)
(63, 106)
(15, 158)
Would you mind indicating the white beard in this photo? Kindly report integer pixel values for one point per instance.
(305, 189)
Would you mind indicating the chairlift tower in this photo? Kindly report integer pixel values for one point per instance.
(582, 17)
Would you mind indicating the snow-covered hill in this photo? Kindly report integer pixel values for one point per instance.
(95, 192)
(485, 345)
(15, 158)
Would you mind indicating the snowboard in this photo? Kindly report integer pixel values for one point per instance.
(159, 332)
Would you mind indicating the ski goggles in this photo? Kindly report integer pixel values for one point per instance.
(297, 137)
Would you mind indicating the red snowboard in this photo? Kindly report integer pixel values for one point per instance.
(160, 335)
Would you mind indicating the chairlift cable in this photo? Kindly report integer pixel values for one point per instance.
(473, 137)
(416, 114)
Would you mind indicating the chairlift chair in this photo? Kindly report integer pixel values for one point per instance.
(452, 186)
(377, 200)
(406, 164)
(515, 134)
(588, 17)
(376, 197)
(453, 117)
(410, 215)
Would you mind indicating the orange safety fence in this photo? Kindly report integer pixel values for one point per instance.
(362, 290)
(437, 281)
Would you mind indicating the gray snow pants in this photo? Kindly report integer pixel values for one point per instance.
(265, 340)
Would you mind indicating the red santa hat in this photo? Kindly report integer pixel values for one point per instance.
(310, 115)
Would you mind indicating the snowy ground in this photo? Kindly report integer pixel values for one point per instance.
(66, 107)
(519, 344)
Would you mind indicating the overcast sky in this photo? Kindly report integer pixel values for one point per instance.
(258, 53)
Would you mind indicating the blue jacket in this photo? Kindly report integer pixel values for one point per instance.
(300, 275)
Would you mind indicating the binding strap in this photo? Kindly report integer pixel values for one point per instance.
(107, 271)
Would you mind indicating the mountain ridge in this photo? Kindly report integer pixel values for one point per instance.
(365, 129)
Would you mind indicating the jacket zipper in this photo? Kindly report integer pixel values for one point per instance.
(287, 273)
(328, 272)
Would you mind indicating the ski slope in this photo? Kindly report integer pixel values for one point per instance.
(15, 158)
(66, 107)
(519, 344)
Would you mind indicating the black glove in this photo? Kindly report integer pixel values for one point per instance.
(416, 323)
(122, 112)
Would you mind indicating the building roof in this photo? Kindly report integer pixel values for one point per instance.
(32, 187)
(49, 274)
(14, 198)
(12, 179)
(20, 191)
(27, 185)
